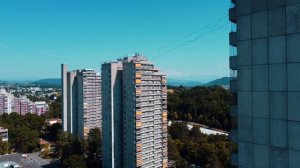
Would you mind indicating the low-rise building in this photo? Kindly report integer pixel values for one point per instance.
(39, 108)
(53, 121)
(9, 164)
(4, 134)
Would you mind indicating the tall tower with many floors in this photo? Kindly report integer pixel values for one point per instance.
(81, 95)
(134, 114)
(265, 61)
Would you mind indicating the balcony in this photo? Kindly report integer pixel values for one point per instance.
(232, 14)
(233, 62)
(233, 85)
(233, 38)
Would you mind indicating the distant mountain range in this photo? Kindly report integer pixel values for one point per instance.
(187, 83)
(220, 82)
(56, 82)
(48, 82)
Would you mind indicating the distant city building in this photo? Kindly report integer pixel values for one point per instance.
(81, 100)
(39, 108)
(22, 105)
(6, 102)
(134, 99)
(4, 134)
(265, 55)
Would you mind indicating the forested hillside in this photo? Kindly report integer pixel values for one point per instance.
(204, 105)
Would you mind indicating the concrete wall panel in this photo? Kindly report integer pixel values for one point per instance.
(277, 22)
(278, 77)
(261, 131)
(277, 49)
(278, 105)
(259, 25)
(260, 99)
(260, 51)
(278, 133)
(260, 78)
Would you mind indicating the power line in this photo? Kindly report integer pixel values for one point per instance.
(178, 40)
(189, 41)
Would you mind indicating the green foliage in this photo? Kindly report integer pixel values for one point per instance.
(55, 110)
(4, 147)
(23, 139)
(205, 105)
(194, 148)
(69, 147)
(35, 98)
(46, 151)
(51, 132)
(74, 161)
(14, 120)
(63, 140)
(24, 131)
(179, 131)
(94, 148)
(181, 162)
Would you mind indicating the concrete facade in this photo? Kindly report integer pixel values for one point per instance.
(266, 127)
(4, 134)
(112, 112)
(6, 102)
(135, 114)
(81, 95)
(22, 105)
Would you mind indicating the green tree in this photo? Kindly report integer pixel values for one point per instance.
(4, 147)
(175, 116)
(24, 140)
(181, 163)
(63, 141)
(188, 148)
(73, 161)
(189, 116)
(51, 132)
(206, 105)
(179, 130)
(195, 133)
(173, 152)
(94, 153)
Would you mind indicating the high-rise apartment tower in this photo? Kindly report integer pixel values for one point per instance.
(81, 95)
(265, 62)
(134, 114)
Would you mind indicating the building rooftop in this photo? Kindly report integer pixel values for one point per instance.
(40, 102)
(2, 128)
(9, 164)
(20, 160)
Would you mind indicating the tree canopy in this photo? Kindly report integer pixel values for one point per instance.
(204, 105)
(191, 147)
(24, 131)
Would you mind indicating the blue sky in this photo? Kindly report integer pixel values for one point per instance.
(188, 39)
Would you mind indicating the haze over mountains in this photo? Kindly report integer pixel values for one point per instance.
(56, 82)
